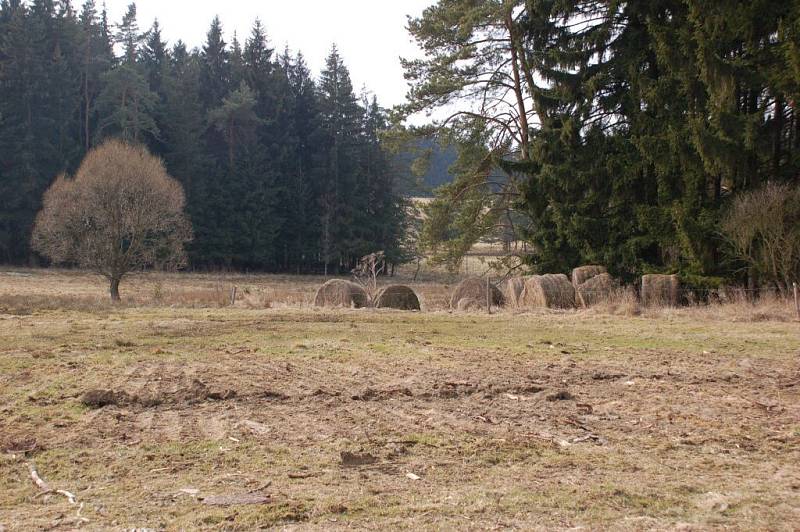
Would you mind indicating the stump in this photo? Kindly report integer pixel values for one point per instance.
(398, 297)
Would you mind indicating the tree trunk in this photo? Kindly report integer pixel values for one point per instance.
(518, 91)
(115, 289)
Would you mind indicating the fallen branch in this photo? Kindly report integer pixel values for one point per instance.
(262, 488)
(45, 487)
(41, 484)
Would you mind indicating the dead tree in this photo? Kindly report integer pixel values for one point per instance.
(367, 271)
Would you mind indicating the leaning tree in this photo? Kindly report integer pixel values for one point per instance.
(120, 213)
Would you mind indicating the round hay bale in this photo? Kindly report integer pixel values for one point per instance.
(474, 288)
(512, 290)
(596, 290)
(398, 297)
(467, 304)
(340, 293)
(660, 290)
(584, 273)
(548, 291)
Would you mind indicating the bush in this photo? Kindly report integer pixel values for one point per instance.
(762, 228)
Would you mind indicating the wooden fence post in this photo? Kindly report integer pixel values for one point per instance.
(796, 301)
(488, 295)
(233, 296)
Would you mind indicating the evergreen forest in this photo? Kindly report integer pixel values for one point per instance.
(282, 168)
(618, 132)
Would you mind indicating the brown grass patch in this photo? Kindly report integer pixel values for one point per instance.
(551, 420)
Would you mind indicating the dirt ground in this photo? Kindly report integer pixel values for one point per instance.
(289, 417)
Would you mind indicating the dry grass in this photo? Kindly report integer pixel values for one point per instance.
(735, 307)
(29, 291)
(23, 291)
(552, 420)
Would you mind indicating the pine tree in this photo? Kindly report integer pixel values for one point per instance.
(237, 121)
(127, 106)
(128, 35)
(650, 114)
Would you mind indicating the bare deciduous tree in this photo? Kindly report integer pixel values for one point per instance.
(121, 212)
(762, 228)
(366, 273)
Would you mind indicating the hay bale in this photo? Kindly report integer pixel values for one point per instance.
(596, 290)
(512, 291)
(398, 297)
(584, 273)
(468, 304)
(659, 290)
(548, 291)
(474, 289)
(340, 293)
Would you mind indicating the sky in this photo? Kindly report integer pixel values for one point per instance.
(370, 34)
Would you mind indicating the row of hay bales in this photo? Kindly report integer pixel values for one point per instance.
(347, 294)
(589, 286)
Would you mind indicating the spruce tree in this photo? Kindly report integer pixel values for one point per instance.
(241, 129)
(19, 180)
(300, 235)
(96, 58)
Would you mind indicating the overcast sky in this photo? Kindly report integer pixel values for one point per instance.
(370, 34)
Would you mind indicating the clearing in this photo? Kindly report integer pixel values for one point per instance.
(327, 419)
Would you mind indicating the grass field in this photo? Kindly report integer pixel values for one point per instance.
(333, 419)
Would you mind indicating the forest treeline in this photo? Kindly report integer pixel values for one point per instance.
(626, 130)
(282, 170)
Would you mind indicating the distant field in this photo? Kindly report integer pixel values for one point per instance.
(31, 289)
(686, 418)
